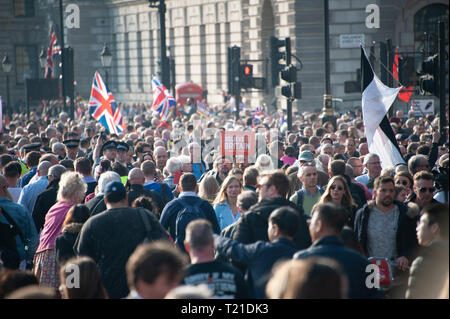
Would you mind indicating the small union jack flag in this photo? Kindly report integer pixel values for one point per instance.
(163, 101)
(53, 50)
(257, 112)
(103, 107)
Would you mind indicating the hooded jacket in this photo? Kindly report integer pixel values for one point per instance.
(252, 226)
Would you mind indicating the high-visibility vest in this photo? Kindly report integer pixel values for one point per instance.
(24, 167)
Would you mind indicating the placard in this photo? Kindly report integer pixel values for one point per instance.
(237, 143)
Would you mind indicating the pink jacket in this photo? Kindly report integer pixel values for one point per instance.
(53, 225)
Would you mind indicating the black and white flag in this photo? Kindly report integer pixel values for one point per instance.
(377, 98)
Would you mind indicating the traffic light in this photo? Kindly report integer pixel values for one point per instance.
(286, 91)
(289, 74)
(297, 88)
(246, 76)
(234, 63)
(275, 56)
(429, 76)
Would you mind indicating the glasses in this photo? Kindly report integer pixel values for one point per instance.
(425, 189)
(339, 188)
(374, 163)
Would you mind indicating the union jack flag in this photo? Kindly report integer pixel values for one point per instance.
(53, 50)
(259, 111)
(103, 107)
(163, 101)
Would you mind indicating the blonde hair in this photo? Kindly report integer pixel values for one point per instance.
(222, 195)
(208, 188)
(347, 199)
(71, 188)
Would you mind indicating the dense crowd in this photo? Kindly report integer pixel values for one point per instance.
(158, 211)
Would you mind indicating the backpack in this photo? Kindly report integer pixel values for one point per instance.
(187, 214)
(151, 224)
(9, 254)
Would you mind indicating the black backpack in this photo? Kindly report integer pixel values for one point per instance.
(187, 214)
(9, 254)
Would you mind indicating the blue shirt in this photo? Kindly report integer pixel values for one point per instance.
(198, 169)
(29, 193)
(224, 215)
(25, 179)
(157, 187)
(25, 222)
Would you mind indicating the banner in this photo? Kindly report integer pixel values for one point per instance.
(237, 143)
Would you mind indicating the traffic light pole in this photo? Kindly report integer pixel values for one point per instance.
(289, 114)
(442, 92)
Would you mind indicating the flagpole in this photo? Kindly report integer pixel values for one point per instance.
(61, 23)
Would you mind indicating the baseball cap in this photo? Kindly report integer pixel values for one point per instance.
(306, 156)
(115, 187)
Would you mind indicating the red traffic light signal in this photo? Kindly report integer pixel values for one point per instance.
(247, 70)
(246, 78)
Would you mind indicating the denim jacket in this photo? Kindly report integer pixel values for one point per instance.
(25, 222)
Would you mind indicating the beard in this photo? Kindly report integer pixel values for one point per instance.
(387, 201)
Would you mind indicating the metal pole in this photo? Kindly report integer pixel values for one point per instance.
(442, 93)
(62, 54)
(165, 76)
(328, 114)
(390, 65)
(327, 47)
(8, 105)
(383, 63)
(289, 114)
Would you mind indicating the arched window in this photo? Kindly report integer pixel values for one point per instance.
(426, 29)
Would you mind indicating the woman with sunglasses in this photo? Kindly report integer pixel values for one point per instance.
(338, 193)
(404, 179)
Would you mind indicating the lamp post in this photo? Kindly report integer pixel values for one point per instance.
(7, 66)
(165, 67)
(106, 58)
(43, 59)
(327, 111)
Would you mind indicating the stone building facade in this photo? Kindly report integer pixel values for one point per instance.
(198, 33)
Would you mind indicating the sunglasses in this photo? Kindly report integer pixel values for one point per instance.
(425, 189)
(339, 188)
(404, 183)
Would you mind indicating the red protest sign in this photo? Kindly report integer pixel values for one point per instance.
(237, 143)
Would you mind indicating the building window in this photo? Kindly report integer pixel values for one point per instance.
(24, 8)
(426, 29)
(26, 63)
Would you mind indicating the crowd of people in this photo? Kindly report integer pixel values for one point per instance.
(158, 211)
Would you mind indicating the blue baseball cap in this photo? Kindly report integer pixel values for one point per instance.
(115, 187)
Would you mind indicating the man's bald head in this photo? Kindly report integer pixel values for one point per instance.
(136, 176)
(43, 168)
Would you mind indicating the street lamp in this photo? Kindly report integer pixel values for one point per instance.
(7, 66)
(106, 58)
(43, 59)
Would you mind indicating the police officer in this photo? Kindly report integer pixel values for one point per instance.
(122, 155)
(72, 148)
